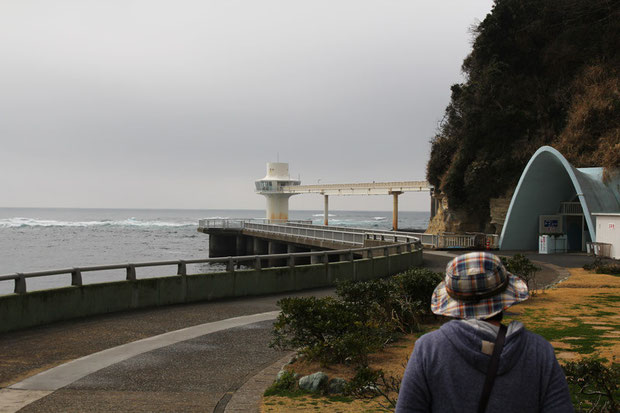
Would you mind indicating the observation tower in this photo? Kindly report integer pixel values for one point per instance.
(272, 187)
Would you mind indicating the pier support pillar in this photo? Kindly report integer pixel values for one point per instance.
(291, 249)
(315, 259)
(395, 211)
(326, 210)
(249, 246)
(240, 245)
(276, 248)
(260, 246)
(221, 245)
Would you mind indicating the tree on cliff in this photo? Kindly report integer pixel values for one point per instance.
(541, 72)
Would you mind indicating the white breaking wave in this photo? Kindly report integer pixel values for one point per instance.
(378, 218)
(129, 222)
(320, 215)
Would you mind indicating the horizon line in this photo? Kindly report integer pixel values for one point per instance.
(204, 209)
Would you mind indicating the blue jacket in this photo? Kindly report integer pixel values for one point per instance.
(447, 369)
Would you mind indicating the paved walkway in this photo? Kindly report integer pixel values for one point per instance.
(141, 366)
(206, 357)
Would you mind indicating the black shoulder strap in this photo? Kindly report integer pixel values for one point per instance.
(493, 365)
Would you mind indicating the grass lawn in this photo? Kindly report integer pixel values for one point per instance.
(580, 317)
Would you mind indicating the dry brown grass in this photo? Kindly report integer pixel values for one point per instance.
(392, 361)
(586, 302)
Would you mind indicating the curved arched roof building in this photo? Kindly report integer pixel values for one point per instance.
(550, 185)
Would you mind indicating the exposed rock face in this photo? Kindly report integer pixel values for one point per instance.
(499, 209)
(447, 220)
(314, 382)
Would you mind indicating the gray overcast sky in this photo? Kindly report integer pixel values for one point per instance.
(179, 104)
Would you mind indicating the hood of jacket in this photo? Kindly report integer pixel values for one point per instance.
(467, 340)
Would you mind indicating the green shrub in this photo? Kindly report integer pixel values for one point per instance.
(365, 317)
(286, 384)
(401, 301)
(369, 383)
(412, 303)
(594, 386)
(521, 266)
(418, 285)
(328, 330)
(363, 293)
(601, 266)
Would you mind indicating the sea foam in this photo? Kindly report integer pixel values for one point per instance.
(19, 222)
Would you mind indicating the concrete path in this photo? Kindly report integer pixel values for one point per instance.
(211, 357)
(137, 361)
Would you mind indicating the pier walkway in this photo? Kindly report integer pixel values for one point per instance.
(338, 237)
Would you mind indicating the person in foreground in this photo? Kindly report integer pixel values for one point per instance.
(453, 369)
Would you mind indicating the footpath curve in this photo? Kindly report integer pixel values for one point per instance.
(189, 374)
(200, 357)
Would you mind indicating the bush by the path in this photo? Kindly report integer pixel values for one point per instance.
(601, 266)
(521, 266)
(363, 319)
(328, 330)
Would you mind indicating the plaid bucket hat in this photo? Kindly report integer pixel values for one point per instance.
(477, 285)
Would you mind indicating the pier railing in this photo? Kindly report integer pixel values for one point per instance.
(355, 236)
(232, 263)
(305, 229)
(225, 223)
(343, 237)
(429, 240)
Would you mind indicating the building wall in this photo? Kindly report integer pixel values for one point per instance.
(608, 231)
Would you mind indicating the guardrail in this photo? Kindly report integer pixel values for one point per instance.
(355, 236)
(225, 223)
(320, 233)
(429, 240)
(231, 263)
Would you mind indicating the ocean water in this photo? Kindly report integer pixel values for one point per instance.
(37, 239)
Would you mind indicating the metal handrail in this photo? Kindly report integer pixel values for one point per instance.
(412, 244)
(430, 240)
(239, 223)
(426, 239)
(356, 236)
(344, 237)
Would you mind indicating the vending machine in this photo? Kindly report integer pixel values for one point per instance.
(551, 236)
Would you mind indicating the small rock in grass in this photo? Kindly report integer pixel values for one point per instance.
(280, 374)
(336, 386)
(284, 371)
(314, 382)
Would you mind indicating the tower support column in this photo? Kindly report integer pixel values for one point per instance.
(326, 209)
(395, 211)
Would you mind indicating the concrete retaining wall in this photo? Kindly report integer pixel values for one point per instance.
(40, 307)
